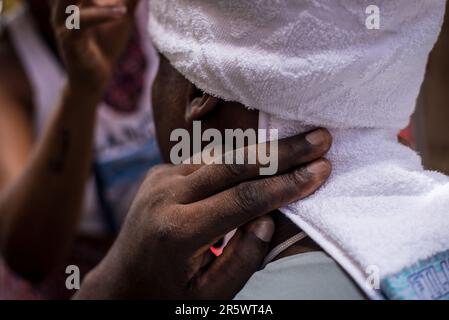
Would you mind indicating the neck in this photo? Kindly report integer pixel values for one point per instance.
(40, 11)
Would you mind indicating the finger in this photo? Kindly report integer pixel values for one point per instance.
(241, 258)
(94, 16)
(161, 171)
(292, 152)
(308, 146)
(58, 10)
(90, 17)
(132, 4)
(236, 206)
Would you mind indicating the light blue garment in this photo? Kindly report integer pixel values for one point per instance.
(119, 178)
(305, 276)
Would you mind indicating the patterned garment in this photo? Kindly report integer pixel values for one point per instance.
(127, 85)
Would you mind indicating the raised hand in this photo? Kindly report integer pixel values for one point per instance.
(91, 52)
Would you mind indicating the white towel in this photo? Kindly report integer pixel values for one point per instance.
(314, 63)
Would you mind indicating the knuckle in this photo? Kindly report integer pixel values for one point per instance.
(292, 143)
(170, 225)
(186, 169)
(199, 183)
(152, 172)
(323, 172)
(159, 197)
(161, 189)
(163, 233)
(247, 197)
(304, 183)
(235, 170)
(167, 193)
(157, 170)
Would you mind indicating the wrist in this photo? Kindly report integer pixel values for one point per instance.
(83, 95)
(84, 90)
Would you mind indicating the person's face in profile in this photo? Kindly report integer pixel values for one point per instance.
(177, 103)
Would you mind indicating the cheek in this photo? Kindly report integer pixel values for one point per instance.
(169, 114)
(232, 115)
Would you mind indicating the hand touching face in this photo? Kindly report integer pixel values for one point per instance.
(181, 211)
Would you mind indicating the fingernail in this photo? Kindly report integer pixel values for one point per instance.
(263, 229)
(318, 167)
(316, 137)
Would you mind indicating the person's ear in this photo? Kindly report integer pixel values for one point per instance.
(199, 104)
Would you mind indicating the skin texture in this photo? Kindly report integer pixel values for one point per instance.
(179, 108)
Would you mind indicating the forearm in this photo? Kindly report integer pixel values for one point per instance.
(42, 208)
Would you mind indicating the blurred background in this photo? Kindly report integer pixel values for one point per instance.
(428, 133)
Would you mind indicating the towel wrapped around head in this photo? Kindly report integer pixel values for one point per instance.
(313, 63)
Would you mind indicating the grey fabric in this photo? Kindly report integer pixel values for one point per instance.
(311, 275)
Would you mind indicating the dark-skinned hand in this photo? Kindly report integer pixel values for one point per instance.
(163, 250)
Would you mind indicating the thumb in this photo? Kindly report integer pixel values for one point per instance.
(243, 256)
